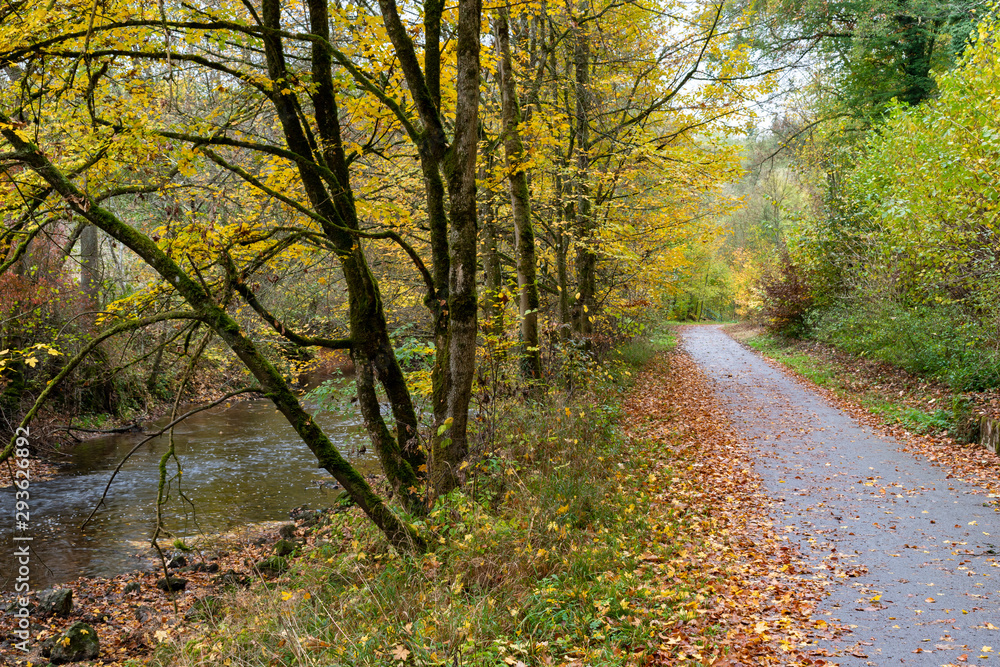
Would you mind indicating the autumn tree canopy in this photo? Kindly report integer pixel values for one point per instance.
(282, 176)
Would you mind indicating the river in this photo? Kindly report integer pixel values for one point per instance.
(241, 464)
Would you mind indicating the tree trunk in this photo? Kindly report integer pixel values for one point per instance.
(586, 259)
(90, 266)
(520, 203)
(463, 311)
(456, 253)
(332, 198)
(492, 274)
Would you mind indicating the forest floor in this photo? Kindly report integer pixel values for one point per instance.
(749, 518)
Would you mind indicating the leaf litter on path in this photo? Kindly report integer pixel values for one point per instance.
(757, 594)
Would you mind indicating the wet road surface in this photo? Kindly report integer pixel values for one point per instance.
(911, 552)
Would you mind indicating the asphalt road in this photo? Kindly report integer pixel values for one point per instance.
(911, 551)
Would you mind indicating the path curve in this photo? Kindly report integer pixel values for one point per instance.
(926, 584)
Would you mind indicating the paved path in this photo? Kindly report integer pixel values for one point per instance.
(922, 542)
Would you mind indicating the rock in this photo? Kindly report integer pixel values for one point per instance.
(78, 642)
(274, 564)
(172, 583)
(212, 567)
(14, 607)
(231, 578)
(144, 613)
(208, 608)
(284, 547)
(56, 601)
(176, 561)
(133, 587)
(287, 532)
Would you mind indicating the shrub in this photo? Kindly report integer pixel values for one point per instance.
(786, 297)
(937, 341)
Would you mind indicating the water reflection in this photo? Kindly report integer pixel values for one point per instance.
(241, 464)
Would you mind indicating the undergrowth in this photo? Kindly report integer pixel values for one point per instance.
(940, 342)
(538, 560)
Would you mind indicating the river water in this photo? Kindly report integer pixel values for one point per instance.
(241, 464)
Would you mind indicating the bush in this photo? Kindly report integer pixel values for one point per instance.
(786, 297)
(939, 341)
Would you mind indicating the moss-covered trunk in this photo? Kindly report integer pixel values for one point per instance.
(520, 204)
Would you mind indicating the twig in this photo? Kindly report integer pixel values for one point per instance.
(158, 434)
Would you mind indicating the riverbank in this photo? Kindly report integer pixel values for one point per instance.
(612, 528)
(133, 613)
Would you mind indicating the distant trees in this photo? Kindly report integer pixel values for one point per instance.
(861, 55)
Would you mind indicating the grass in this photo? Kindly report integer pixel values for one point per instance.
(538, 560)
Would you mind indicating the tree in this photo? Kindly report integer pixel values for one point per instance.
(270, 118)
(520, 201)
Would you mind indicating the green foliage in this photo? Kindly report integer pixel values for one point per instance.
(706, 292)
(334, 395)
(867, 52)
(927, 182)
(937, 341)
(901, 256)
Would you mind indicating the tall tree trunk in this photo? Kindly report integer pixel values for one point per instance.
(586, 259)
(520, 203)
(437, 300)
(371, 348)
(455, 362)
(562, 275)
(492, 273)
(460, 169)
